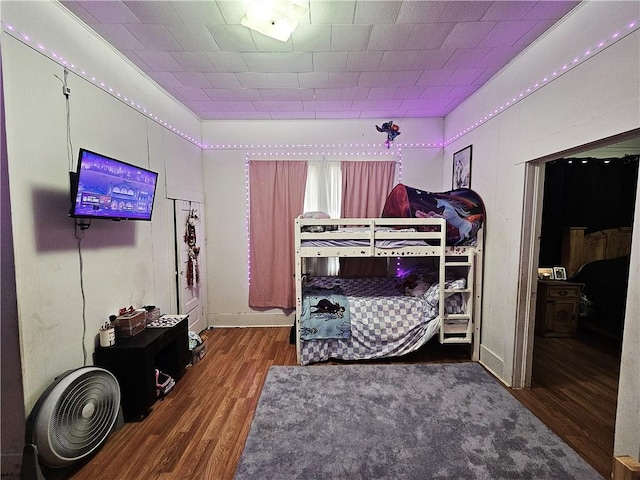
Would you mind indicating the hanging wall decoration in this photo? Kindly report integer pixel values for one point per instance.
(391, 129)
(193, 271)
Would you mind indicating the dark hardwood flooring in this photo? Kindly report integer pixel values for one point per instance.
(574, 391)
(199, 430)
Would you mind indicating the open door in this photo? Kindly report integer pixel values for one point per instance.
(190, 264)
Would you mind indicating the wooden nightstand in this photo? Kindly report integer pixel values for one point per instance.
(557, 308)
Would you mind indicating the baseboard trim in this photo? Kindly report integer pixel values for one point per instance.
(625, 468)
(251, 320)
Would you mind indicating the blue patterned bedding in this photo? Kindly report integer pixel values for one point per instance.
(384, 321)
(325, 314)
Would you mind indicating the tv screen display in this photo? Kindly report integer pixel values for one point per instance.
(108, 188)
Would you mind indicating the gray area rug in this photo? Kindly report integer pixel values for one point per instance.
(425, 421)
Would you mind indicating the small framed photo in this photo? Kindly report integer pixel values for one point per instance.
(559, 273)
(546, 273)
(462, 168)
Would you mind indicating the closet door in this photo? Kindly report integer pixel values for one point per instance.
(190, 263)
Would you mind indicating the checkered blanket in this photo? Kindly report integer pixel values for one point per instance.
(384, 322)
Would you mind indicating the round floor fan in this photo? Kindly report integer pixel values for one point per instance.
(70, 420)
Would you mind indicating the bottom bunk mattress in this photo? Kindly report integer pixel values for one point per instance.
(384, 320)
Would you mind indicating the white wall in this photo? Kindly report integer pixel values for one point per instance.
(124, 263)
(225, 190)
(596, 99)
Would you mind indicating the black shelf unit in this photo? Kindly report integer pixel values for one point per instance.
(133, 362)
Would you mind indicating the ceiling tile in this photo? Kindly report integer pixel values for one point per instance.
(270, 45)
(464, 76)
(77, 8)
(193, 79)
(389, 104)
(344, 79)
(390, 37)
(159, 61)
(429, 36)
(398, 60)
(232, 38)
(190, 93)
(324, 12)
(327, 106)
(109, 11)
(194, 61)
(377, 93)
(363, 61)
(279, 62)
(420, 12)
(434, 77)
(155, 37)
(227, 61)
(118, 36)
(432, 59)
(329, 61)
(382, 11)
(467, 34)
(464, 11)
(219, 94)
(436, 92)
(194, 38)
(247, 94)
(223, 80)
(166, 79)
(154, 12)
(308, 38)
(466, 57)
(508, 10)
(198, 12)
(253, 80)
(286, 94)
(278, 106)
(314, 79)
(350, 37)
(284, 80)
(506, 34)
(409, 92)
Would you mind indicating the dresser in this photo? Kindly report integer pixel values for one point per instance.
(557, 308)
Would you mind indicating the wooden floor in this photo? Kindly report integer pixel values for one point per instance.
(199, 430)
(574, 391)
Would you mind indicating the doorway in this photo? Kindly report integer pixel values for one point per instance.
(574, 370)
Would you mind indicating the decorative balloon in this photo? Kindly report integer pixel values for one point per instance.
(392, 130)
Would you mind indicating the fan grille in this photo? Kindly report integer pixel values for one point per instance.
(81, 417)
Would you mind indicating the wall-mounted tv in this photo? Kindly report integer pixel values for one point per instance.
(103, 187)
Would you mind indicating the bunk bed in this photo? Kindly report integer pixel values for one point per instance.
(434, 290)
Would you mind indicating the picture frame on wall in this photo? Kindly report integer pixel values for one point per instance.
(462, 168)
(559, 273)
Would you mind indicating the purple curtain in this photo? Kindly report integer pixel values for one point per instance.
(365, 188)
(276, 198)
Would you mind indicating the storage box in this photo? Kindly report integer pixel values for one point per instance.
(130, 324)
(153, 314)
(197, 353)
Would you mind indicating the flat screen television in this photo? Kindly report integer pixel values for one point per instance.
(103, 187)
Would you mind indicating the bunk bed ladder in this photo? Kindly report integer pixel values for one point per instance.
(298, 281)
(459, 327)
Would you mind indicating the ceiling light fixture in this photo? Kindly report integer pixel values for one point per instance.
(274, 18)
